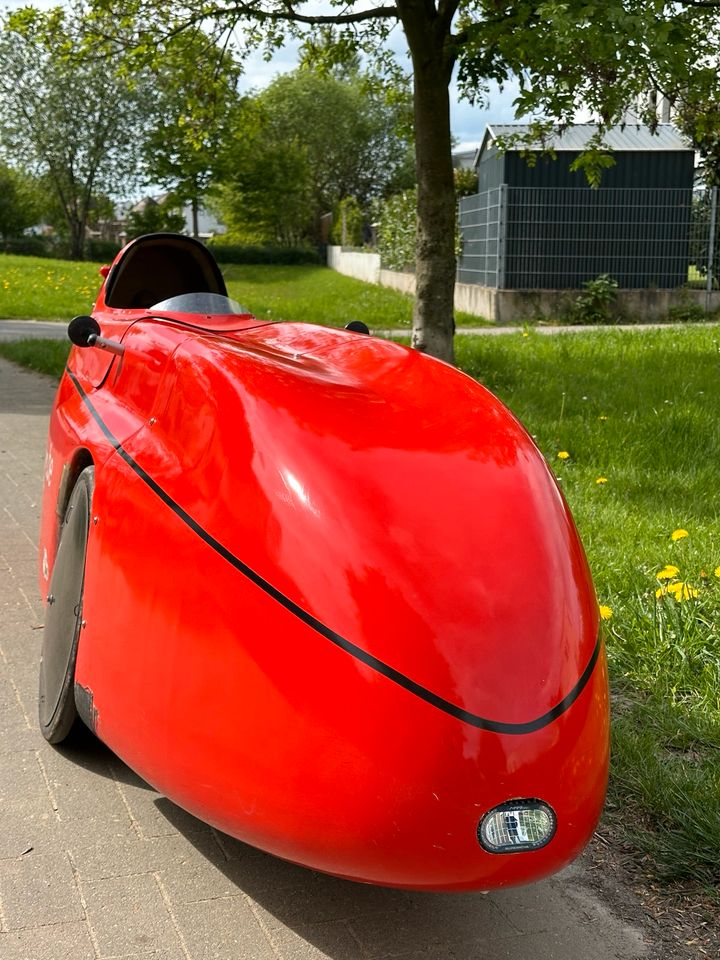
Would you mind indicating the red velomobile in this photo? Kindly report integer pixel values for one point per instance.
(320, 590)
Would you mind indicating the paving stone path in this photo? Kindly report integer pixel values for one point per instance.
(95, 865)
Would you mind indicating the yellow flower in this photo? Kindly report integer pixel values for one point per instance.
(717, 571)
(563, 455)
(601, 480)
(605, 612)
(667, 572)
(679, 534)
(679, 591)
(602, 417)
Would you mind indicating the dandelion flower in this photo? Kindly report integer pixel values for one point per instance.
(717, 572)
(679, 534)
(563, 455)
(684, 591)
(605, 612)
(680, 591)
(667, 572)
(601, 480)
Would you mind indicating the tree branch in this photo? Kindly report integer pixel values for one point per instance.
(290, 14)
(446, 11)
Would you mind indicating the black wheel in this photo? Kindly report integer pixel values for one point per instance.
(63, 620)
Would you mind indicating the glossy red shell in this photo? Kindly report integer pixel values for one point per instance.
(259, 484)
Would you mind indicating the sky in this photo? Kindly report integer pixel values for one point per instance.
(467, 122)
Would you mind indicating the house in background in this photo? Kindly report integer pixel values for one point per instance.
(208, 224)
(463, 157)
(115, 230)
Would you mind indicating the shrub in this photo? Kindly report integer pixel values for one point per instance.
(101, 250)
(466, 183)
(55, 248)
(29, 247)
(287, 256)
(153, 217)
(687, 311)
(348, 223)
(397, 231)
(593, 306)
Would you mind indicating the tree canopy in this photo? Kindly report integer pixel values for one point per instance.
(596, 54)
(195, 84)
(72, 121)
(302, 145)
(20, 201)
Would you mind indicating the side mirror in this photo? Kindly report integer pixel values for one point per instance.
(80, 329)
(357, 326)
(85, 332)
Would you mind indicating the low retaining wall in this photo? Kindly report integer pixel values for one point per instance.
(518, 306)
(362, 266)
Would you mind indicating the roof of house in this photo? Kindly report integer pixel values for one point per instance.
(463, 156)
(576, 137)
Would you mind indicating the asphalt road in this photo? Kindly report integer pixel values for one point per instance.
(31, 329)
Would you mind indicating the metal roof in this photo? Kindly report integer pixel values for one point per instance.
(576, 137)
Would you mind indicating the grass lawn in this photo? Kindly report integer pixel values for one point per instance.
(39, 289)
(45, 356)
(639, 412)
(638, 415)
(36, 288)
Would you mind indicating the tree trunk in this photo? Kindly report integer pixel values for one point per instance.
(427, 34)
(77, 239)
(195, 227)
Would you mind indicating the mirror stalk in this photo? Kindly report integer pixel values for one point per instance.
(112, 346)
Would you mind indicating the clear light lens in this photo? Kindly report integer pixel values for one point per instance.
(517, 825)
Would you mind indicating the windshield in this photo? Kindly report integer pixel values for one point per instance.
(199, 303)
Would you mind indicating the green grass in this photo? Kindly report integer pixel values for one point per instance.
(38, 289)
(35, 288)
(641, 410)
(45, 356)
(312, 294)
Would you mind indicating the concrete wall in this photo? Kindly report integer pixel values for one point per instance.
(518, 306)
(362, 266)
(404, 282)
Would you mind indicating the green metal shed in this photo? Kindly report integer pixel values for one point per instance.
(539, 225)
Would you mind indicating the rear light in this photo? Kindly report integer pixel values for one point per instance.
(517, 825)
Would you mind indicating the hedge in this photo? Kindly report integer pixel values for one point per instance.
(288, 256)
(103, 250)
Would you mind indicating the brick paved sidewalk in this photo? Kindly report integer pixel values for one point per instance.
(95, 864)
